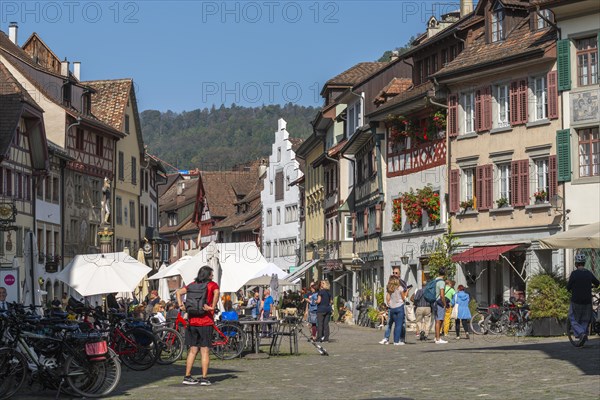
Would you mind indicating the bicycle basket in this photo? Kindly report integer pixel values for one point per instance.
(96, 351)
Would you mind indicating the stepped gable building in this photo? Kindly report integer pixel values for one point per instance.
(280, 201)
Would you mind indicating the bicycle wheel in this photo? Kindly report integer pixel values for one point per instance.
(170, 343)
(511, 323)
(477, 325)
(13, 369)
(494, 325)
(137, 348)
(574, 341)
(93, 378)
(234, 341)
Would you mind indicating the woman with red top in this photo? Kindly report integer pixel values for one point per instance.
(199, 332)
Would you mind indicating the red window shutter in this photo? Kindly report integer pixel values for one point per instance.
(479, 110)
(366, 221)
(523, 100)
(489, 186)
(378, 218)
(514, 103)
(479, 188)
(452, 120)
(515, 199)
(524, 181)
(353, 225)
(552, 177)
(552, 80)
(454, 190)
(487, 108)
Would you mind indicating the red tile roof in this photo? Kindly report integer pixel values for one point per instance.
(395, 87)
(224, 188)
(414, 93)
(109, 103)
(520, 42)
(355, 74)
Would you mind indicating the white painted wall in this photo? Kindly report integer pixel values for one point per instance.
(290, 167)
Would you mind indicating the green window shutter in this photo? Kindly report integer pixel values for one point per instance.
(564, 64)
(563, 153)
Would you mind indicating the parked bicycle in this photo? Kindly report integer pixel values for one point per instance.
(55, 355)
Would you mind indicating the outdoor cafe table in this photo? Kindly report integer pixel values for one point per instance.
(255, 327)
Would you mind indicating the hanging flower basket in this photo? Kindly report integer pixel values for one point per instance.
(412, 208)
(430, 202)
(397, 214)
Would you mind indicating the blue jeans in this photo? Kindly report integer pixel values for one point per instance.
(396, 317)
(580, 316)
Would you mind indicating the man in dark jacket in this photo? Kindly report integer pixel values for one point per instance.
(580, 285)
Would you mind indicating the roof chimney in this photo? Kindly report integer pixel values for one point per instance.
(12, 32)
(64, 68)
(395, 55)
(466, 6)
(77, 70)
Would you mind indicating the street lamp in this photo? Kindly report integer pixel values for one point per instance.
(405, 258)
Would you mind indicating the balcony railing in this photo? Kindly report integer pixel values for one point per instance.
(424, 156)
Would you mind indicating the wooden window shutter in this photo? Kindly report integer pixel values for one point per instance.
(454, 190)
(514, 103)
(487, 109)
(563, 63)
(523, 100)
(480, 188)
(353, 225)
(563, 153)
(552, 95)
(552, 177)
(452, 120)
(489, 186)
(524, 181)
(514, 184)
(366, 221)
(478, 110)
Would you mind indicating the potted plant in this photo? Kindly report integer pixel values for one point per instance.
(549, 301)
(502, 202)
(430, 202)
(412, 208)
(540, 196)
(466, 205)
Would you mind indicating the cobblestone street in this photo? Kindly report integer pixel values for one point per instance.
(360, 368)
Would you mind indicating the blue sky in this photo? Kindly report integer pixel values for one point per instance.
(185, 55)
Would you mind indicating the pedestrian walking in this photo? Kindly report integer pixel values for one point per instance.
(311, 310)
(323, 311)
(395, 296)
(449, 292)
(439, 306)
(422, 314)
(580, 310)
(388, 325)
(200, 326)
(462, 300)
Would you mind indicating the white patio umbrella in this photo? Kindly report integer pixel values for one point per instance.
(163, 286)
(267, 280)
(585, 237)
(92, 274)
(30, 261)
(274, 285)
(171, 270)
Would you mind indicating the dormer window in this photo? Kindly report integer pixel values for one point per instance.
(541, 22)
(498, 23)
(87, 103)
(66, 93)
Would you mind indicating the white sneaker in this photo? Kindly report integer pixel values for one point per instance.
(384, 341)
(399, 344)
(441, 341)
(458, 338)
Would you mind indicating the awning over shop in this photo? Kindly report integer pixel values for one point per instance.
(486, 253)
(297, 274)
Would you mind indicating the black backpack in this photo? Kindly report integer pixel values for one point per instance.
(195, 299)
